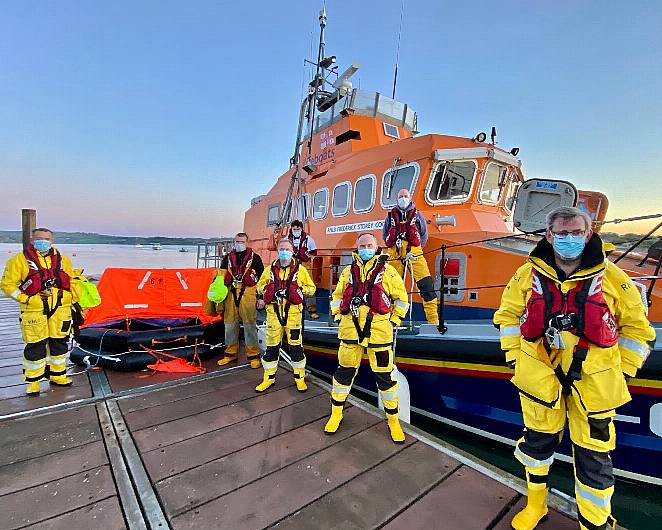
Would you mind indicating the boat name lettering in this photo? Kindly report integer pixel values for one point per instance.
(356, 227)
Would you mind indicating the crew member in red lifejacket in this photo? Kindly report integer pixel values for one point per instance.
(283, 287)
(405, 235)
(39, 279)
(574, 327)
(304, 251)
(241, 268)
(369, 301)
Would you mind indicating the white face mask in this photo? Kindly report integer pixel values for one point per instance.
(296, 233)
(403, 202)
(240, 247)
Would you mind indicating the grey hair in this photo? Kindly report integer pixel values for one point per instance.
(566, 212)
(285, 240)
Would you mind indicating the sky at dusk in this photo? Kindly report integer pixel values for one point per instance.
(166, 117)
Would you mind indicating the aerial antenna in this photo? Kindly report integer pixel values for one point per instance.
(397, 52)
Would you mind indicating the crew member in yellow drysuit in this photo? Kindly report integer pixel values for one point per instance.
(283, 287)
(368, 302)
(241, 269)
(39, 279)
(405, 235)
(574, 326)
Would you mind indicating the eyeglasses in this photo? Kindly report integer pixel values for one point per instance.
(571, 233)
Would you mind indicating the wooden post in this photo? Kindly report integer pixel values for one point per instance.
(29, 223)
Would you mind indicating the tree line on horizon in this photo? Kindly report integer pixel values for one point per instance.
(16, 236)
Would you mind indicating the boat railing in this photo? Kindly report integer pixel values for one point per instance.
(367, 103)
(211, 254)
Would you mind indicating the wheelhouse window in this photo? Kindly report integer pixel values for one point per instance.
(403, 177)
(340, 203)
(301, 209)
(391, 130)
(364, 194)
(320, 203)
(451, 180)
(493, 182)
(273, 214)
(511, 193)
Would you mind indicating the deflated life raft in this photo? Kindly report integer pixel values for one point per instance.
(147, 311)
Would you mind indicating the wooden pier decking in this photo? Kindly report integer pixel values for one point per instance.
(128, 451)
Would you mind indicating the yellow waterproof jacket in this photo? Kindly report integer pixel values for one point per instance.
(302, 278)
(15, 273)
(602, 386)
(382, 325)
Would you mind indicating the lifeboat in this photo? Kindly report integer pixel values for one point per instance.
(147, 316)
(355, 149)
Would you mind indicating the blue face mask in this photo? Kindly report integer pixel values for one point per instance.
(42, 245)
(366, 254)
(285, 255)
(569, 247)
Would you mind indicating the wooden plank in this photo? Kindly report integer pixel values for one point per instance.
(29, 473)
(171, 432)
(177, 393)
(202, 484)
(554, 521)
(365, 502)
(13, 399)
(105, 515)
(274, 497)
(142, 419)
(11, 370)
(466, 499)
(193, 452)
(34, 437)
(12, 361)
(48, 500)
(11, 380)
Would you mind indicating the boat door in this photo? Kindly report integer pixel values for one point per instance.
(536, 198)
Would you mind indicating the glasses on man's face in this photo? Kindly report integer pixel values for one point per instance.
(566, 233)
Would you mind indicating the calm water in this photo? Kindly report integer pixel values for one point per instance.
(96, 258)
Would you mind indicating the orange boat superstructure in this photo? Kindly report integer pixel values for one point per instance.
(356, 149)
(363, 149)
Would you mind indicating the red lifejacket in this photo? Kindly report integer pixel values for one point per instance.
(587, 312)
(402, 227)
(369, 292)
(289, 285)
(241, 272)
(301, 252)
(40, 278)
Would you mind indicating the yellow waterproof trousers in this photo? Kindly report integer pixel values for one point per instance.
(421, 273)
(593, 437)
(245, 312)
(275, 333)
(46, 343)
(381, 364)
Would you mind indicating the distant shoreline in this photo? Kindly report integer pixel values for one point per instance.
(78, 238)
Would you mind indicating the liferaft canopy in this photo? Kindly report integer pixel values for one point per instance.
(151, 294)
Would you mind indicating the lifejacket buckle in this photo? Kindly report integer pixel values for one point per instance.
(49, 284)
(354, 305)
(235, 283)
(563, 322)
(280, 296)
(553, 337)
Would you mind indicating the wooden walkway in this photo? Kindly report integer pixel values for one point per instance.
(208, 452)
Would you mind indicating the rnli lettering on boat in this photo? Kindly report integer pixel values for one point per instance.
(322, 157)
(356, 227)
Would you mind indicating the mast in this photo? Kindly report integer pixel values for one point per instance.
(308, 108)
